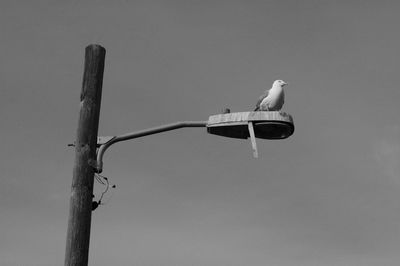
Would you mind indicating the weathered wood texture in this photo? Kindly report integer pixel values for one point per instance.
(267, 125)
(78, 234)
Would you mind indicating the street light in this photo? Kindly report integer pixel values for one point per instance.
(241, 125)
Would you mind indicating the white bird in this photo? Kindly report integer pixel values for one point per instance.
(273, 99)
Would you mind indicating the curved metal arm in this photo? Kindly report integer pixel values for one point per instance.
(142, 133)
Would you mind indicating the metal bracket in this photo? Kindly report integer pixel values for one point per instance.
(253, 139)
(100, 141)
(103, 140)
(104, 143)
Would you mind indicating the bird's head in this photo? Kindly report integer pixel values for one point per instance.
(280, 82)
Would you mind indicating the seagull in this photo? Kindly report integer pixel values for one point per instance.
(272, 99)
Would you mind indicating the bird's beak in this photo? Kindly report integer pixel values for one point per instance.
(285, 83)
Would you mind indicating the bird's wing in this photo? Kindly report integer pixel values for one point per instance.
(261, 99)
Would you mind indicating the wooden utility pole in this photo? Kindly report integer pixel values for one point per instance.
(80, 212)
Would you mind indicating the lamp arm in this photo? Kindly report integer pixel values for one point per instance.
(142, 133)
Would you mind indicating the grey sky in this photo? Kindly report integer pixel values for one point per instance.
(329, 195)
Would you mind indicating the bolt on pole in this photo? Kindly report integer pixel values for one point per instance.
(80, 211)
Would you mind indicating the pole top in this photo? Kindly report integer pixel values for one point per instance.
(94, 46)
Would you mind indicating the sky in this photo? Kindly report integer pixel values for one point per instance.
(328, 195)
